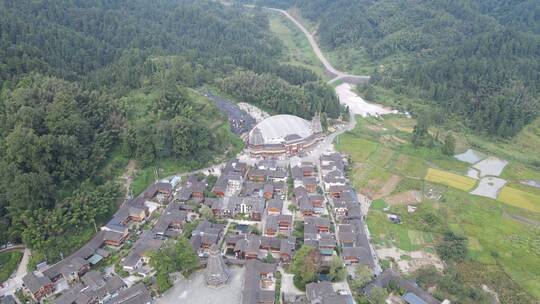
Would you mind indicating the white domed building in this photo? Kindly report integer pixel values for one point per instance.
(284, 134)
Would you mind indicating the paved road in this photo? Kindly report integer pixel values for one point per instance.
(13, 248)
(337, 74)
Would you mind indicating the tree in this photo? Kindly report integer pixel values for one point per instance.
(305, 266)
(347, 113)
(420, 134)
(378, 295)
(449, 145)
(178, 256)
(453, 247)
(186, 256)
(207, 213)
(324, 121)
(337, 271)
(362, 276)
(269, 258)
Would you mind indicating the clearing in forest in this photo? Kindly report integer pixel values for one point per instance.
(450, 179)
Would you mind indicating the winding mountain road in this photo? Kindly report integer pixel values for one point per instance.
(337, 74)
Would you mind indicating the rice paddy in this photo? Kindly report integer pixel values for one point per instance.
(520, 199)
(450, 179)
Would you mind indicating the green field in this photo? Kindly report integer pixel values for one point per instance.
(8, 264)
(358, 148)
(504, 241)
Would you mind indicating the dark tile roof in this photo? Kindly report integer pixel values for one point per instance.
(275, 203)
(137, 294)
(251, 291)
(34, 283)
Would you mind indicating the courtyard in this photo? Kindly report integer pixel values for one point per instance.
(195, 291)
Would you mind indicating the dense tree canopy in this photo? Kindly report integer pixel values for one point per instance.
(479, 60)
(177, 256)
(275, 94)
(305, 266)
(81, 80)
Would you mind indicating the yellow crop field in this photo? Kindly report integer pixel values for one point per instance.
(450, 179)
(520, 198)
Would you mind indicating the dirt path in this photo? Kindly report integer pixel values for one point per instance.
(127, 177)
(11, 285)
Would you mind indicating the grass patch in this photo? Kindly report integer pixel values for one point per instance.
(410, 166)
(520, 198)
(511, 246)
(146, 176)
(450, 179)
(297, 49)
(358, 148)
(382, 156)
(8, 263)
(516, 171)
(405, 236)
(352, 60)
(378, 204)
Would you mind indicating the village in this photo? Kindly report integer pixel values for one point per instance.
(246, 219)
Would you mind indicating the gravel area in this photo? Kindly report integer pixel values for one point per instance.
(489, 187)
(287, 285)
(491, 166)
(194, 290)
(241, 122)
(470, 156)
(256, 113)
(357, 105)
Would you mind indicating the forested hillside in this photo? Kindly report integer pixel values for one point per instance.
(85, 80)
(477, 60)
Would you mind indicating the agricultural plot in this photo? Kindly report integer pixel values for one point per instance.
(450, 179)
(489, 187)
(517, 245)
(471, 156)
(503, 234)
(520, 199)
(491, 166)
(382, 156)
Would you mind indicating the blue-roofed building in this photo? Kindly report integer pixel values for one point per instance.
(411, 298)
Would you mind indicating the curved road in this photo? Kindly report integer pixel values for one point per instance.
(338, 75)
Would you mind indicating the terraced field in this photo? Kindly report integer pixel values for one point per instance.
(503, 234)
(450, 179)
(520, 198)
